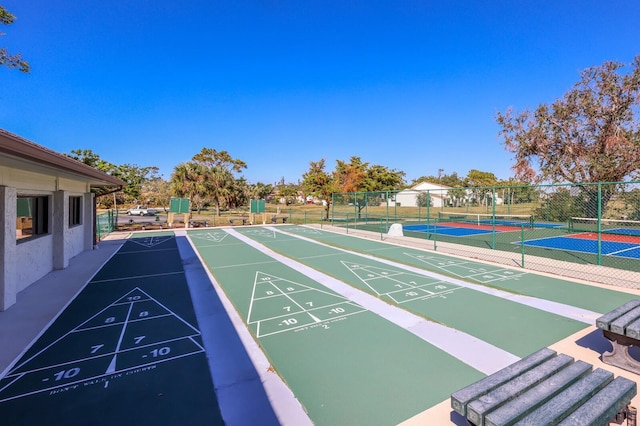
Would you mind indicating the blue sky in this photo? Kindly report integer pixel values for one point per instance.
(411, 85)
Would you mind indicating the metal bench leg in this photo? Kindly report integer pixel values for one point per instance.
(620, 357)
(631, 415)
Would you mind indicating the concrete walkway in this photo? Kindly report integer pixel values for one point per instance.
(40, 303)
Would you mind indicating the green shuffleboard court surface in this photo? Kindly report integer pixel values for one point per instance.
(344, 363)
(514, 280)
(493, 319)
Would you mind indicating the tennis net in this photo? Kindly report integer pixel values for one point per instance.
(517, 220)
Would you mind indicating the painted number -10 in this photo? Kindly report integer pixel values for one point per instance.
(160, 352)
(67, 374)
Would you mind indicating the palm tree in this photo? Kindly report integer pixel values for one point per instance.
(189, 180)
(220, 184)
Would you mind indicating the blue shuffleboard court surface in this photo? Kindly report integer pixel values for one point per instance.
(126, 350)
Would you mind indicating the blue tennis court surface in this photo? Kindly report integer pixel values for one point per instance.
(622, 231)
(608, 248)
(447, 230)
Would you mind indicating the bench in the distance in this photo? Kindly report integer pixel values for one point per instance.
(546, 388)
(283, 219)
(232, 220)
(622, 327)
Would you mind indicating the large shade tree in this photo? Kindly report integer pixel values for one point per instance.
(135, 176)
(319, 183)
(590, 135)
(354, 178)
(218, 168)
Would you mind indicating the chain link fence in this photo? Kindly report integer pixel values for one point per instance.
(106, 223)
(590, 231)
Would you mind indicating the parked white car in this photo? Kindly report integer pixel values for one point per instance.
(141, 211)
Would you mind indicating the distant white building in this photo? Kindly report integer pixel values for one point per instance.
(439, 195)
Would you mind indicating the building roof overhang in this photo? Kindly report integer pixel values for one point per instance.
(37, 158)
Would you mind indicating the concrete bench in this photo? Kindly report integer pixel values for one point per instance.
(232, 220)
(546, 388)
(274, 219)
(622, 327)
(198, 223)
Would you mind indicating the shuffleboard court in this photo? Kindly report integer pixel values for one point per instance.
(128, 345)
(514, 280)
(344, 363)
(496, 320)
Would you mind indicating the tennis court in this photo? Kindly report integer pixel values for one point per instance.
(471, 224)
(612, 243)
(459, 229)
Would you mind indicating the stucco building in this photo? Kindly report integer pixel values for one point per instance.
(47, 202)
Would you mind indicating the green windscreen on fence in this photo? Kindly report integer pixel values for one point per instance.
(257, 206)
(179, 205)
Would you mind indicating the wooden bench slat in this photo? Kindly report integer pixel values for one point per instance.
(604, 405)
(519, 407)
(478, 408)
(605, 320)
(619, 325)
(556, 409)
(462, 397)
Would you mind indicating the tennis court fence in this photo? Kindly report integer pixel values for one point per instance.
(594, 227)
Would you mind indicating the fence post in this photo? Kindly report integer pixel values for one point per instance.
(493, 218)
(599, 223)
(522, 244)
(435, 235)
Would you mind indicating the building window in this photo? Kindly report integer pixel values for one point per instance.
(32, 217)
(75, 211)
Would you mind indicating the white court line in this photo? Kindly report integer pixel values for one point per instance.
(67, 384)
(285, 405)
(112, 366)
(613, 253)
(137, 277)
(457, 343)
(90, 358)
(572, 312)
(237, 265)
